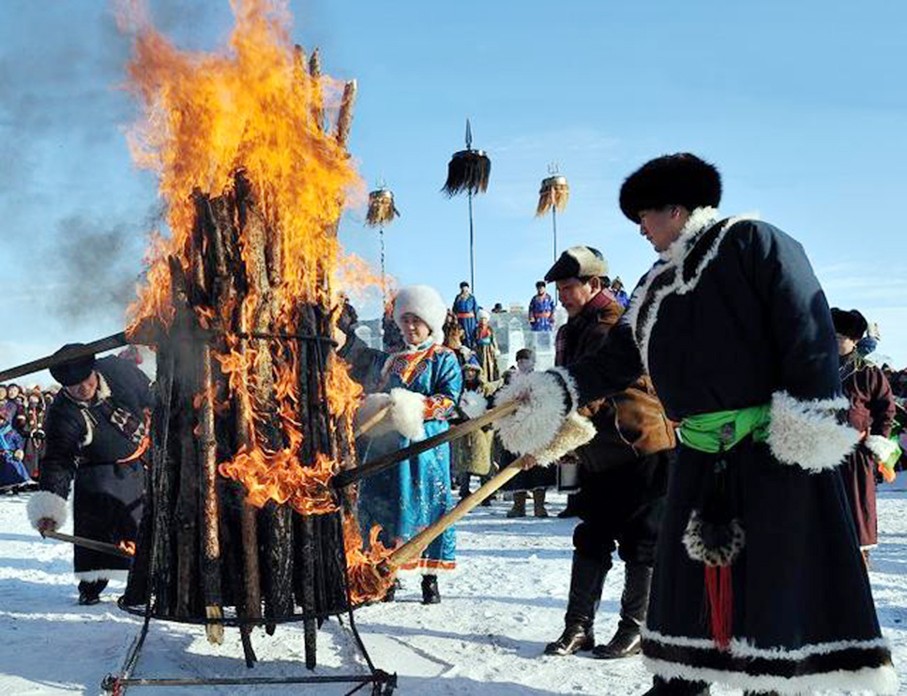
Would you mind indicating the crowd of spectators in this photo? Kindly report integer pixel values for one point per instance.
(22, 412)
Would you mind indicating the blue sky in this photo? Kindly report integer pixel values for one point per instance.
(801, 105)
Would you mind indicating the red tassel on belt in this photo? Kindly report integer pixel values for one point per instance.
(720, 590)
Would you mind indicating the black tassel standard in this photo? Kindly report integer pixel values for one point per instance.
(715, 537)
(468, 171)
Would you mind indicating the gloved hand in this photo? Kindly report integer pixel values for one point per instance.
(546, 399)
(405, 413)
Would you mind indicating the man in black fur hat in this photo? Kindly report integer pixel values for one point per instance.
(96, 433)
(759, 583)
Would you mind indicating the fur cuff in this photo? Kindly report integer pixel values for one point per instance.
(575, 432)
(473, 404)
(43, 504)
(407, 411)
(543, 407)
(881, 447)
(807, 433)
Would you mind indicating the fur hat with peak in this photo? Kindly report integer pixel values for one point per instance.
(679, 179)
(425, 302)
(578, 262)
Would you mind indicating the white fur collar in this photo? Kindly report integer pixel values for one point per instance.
(699, 221)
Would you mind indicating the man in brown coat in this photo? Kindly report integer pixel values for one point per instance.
(623, 471)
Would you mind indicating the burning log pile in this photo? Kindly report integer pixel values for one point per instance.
(254, 411)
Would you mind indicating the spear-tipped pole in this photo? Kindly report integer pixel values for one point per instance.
(468, 170)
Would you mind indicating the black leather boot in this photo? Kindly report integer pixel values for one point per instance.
(587, 576)
(90, 592)
(430, 592)
(633, 603)
(677, 687)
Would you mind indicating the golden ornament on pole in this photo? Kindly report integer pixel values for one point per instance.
(381, 208)
(553, 195)
(381, 212)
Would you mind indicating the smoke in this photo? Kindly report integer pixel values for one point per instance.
(92, 268)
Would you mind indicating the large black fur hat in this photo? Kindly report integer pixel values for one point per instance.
(679, 179)
(72, 371)
(850, 323)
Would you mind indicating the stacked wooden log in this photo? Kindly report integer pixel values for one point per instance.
(242, 382)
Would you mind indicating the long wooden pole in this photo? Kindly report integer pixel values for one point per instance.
(345, 478)
(371, 422)
(413, 548)
(117, 340)
(92, 544)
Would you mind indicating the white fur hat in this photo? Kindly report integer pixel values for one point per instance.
(425, 302)
(483, 314)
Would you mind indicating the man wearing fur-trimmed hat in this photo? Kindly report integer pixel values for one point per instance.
(623, 471)
(419, 388)
(871, 413)
(735, 331)
(96, 436)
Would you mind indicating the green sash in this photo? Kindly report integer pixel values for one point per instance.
(721, 430)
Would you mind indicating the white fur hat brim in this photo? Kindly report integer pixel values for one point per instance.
(425, 302)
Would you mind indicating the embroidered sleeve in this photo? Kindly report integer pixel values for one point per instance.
(448, 385)
(438, 407)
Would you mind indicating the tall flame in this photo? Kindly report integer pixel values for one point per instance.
(254, 107)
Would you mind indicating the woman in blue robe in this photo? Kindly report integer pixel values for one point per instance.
(420, 386)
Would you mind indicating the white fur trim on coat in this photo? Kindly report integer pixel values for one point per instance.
(700, 220)
(880, 446)
(102, 574)
(575, 431)
(807, 433)
(878, 680)
(542, 410)
(407, 413)
(43, 504)
(425, 302)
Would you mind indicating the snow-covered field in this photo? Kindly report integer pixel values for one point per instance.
(486, 637)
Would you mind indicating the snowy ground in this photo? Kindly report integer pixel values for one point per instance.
(486, 637)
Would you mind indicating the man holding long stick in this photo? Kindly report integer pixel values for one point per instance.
(759, 583)
(96, 435)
